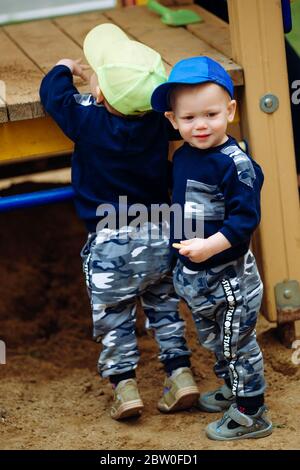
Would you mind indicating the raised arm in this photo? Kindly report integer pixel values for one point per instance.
(57, 93)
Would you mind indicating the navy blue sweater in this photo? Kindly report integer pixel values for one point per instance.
(113, 156)
(227, 182)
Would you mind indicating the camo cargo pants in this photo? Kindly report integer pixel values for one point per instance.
(225, 302)
(119, 266)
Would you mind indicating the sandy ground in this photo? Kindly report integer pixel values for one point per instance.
(51, 396)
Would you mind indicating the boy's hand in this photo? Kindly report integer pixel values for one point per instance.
(200, 249)
(75, 67)
(196, 249)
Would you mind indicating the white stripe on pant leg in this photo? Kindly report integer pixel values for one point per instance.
(227, 331)
(86, 271)
(235, 377)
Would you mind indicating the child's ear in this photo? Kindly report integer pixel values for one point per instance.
(231, 110)
(171, 116)
(99, 95)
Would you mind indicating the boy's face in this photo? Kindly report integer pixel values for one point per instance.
(201, 114)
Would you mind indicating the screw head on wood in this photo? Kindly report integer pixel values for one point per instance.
(269, 103)
(287, 293)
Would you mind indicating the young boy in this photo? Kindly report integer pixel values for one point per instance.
(216, 272)
(121, 149)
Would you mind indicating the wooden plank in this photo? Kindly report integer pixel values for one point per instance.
(3, 112)
(136, 20)
(212, 30)
(77, 26)
(45, 44)
(173, 44)
(270, 138)
(23, 48)
(21, 78)
(207, 16)
(3, 109)
(216, 36)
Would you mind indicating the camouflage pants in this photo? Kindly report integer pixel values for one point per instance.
(120, 266)
(225, 302)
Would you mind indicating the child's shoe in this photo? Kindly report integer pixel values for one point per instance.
(236, 425)
(126, 401)
(180, 391)
(217, 400)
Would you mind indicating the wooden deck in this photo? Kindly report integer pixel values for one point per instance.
(29, 50)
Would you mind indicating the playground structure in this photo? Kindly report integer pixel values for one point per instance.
(251, 48)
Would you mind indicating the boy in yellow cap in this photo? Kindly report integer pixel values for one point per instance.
(120, 162)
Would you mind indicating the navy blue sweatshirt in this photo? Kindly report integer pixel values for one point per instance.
(227, 182)
(113, 156)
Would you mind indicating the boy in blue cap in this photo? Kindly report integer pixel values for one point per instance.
(121, 149)
(216, 272)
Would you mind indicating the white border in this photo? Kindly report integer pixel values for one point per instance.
(56, 11)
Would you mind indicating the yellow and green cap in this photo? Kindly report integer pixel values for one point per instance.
(127, 70)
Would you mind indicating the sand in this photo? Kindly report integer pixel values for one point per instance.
(51, 396)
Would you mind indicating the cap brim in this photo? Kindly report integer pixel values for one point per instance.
(160, 96)
(100, 39)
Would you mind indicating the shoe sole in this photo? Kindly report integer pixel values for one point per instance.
(128, 410)
(254, 435)
(185, 399)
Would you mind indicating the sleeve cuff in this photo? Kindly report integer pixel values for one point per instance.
(231, 236)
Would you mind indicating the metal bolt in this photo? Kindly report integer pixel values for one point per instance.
(287, 294)
(269, 103)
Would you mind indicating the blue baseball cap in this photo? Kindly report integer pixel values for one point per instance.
(192, 71)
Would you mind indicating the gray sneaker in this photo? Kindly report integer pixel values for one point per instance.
(217, 400)
(126, 401)
(180, 391)
(248, 426)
